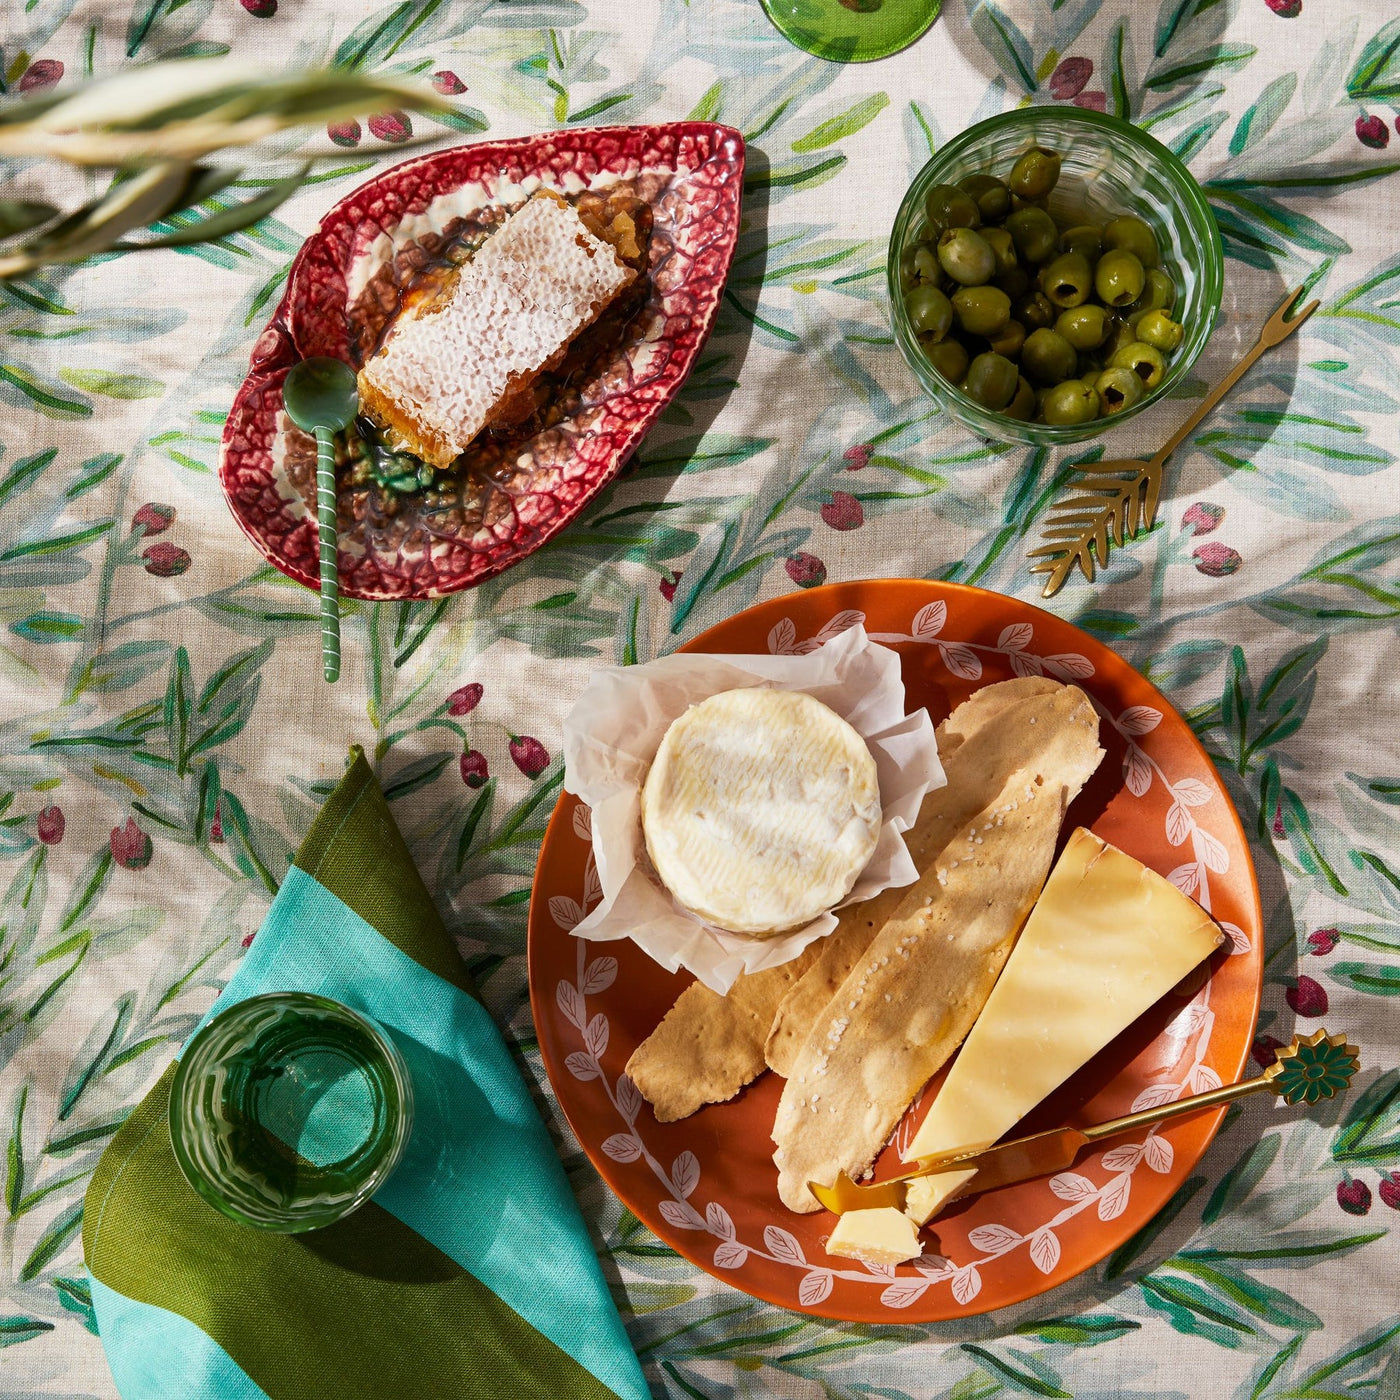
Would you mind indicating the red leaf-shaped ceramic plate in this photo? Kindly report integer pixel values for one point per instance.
(514, 493)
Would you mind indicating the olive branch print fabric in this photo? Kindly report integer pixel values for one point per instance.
(165, 737)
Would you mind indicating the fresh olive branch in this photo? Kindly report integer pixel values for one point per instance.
(152, 127)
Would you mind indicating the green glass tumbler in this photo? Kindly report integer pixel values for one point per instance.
(288, 1111)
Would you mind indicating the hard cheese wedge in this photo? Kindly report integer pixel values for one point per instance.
(879, 1236)
(1107, 938)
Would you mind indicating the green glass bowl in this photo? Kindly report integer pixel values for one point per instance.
(288, 1111)
(1107, 167)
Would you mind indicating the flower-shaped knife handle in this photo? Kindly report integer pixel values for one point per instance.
(1314, 1067)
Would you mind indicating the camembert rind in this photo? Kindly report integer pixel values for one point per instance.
(1107, 939)
(879, 1236)
(761, 809)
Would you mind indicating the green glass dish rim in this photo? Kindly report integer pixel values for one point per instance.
(291, 1224)
(1211, 273)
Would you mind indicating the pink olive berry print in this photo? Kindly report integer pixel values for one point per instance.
(51, 825)
(474, 771)
(1202, 518)
(1389, 1190)
(843, 512)
(153, 518)
(1095, 101)
(344, 133)
(1286, 9)
(260, 9)
(131, 847)
(857, 458)
(530, 756)
(1216, 560)
(1277, 826)
(465, 699)
(1372, 132)
(1265, 1050)
(1071, 78)
(1307, 997)
(1323, 941)
(393, 127)
(216, 827)
(1354, 1197)
(42, 73)
(667, 586)
(805, 570)
(165, 560)
(448, 83)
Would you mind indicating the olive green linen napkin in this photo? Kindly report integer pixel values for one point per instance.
(470, 1274)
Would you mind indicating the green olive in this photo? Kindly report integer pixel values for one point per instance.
(1047, 357)
(992, 197)
(1118, 389)
(982, 310)
(1085, 327)
(1158, 294)
(1003, 250)
(946, 206)
(1132, 235)
(948, 357)
(1068, 280)
(990, 380)
(929, 311)
(1035, 312)
(965, 256)
(926, 267)
(1022, 403)
(1015, 283)
(908, 269)
(1034, 233)
(1158, 330)
(1008, 340)
(1083, 238)
(1120, 333)
(1074, 401)
(1144, 360)
(1118, 279)
(1035, 173)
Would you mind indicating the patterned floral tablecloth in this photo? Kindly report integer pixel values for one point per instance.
(165, 736)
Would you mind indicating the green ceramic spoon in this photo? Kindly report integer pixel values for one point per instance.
(321, 398)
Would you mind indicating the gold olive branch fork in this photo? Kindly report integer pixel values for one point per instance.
(1077, 530)
(1313, 1067)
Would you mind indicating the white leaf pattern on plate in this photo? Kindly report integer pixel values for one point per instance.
(729, 1254)
(1045, 1250)
(1139, 719)
(1070, 1186)
(622, 1147)
(905, 1291)
(1114, 1199)
(685, 1174)
(930, 619)
(814, 1288)
(783, 1245)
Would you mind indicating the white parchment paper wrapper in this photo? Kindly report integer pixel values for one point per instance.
(613, 732)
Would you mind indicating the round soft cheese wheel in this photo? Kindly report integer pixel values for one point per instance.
(760, 810)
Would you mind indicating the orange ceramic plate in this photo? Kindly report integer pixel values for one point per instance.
(707, 1185)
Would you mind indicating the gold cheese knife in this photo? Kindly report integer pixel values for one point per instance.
(1314, 1067)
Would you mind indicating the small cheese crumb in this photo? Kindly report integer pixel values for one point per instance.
(883, 1235)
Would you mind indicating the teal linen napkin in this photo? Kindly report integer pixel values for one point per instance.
(470, 1274)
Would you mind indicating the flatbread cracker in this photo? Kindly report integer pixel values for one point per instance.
(709, 1046)
(1030, 722)
(914, 994)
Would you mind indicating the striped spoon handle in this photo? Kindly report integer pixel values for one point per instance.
(327, 534)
